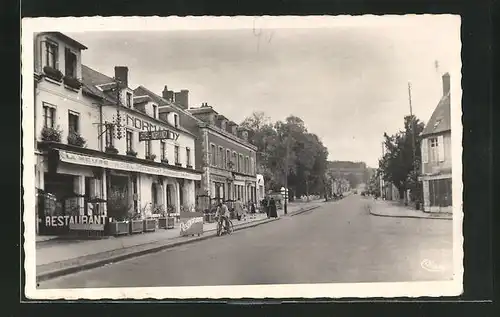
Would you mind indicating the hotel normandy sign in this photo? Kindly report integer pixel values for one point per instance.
(74, 158)
(150, 131)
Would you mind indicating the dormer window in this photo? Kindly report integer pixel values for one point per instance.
(51, 54)
(176, 120)
(129, 100)
(155, 111)
(70, 63)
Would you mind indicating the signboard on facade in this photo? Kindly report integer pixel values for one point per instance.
(191, 223)
(81, 159)
(158, 135)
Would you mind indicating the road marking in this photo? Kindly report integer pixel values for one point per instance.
(431, 266)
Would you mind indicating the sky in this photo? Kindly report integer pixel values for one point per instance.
(349, 83)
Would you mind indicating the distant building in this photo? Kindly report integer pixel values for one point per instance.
(436, 156)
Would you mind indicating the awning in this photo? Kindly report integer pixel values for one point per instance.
(81, 159)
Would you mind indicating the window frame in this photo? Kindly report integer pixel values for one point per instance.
(67, 52)
(188, 156)
(76, 115)
(147, 148)
(129, 140)
(128, 99)
(176, 154)
(228, 158)
(55, 55)
(163, 150)
(109, 135)
(213, 154)
(176, 120)
(47, 107)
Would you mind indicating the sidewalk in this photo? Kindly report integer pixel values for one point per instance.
(60, 257)
(384, 208)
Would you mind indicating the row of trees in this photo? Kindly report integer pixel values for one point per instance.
(400, 164)
(286, 147)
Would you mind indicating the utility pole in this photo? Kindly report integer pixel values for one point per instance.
(412, 131)
(286, 175)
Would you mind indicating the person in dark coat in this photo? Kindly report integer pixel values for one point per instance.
(272, 208)
(265, 206)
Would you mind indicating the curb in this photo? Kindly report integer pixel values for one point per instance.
(406, 216)
(91, 265)
(302, 211)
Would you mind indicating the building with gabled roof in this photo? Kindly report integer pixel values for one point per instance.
(436, 174)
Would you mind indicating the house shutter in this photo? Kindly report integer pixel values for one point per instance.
(425, 152)
(441, 148)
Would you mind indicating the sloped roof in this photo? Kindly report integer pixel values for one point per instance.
(92, 78)
(440, 120)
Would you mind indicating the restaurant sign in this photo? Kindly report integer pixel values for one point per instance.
(75, 158)
(191, 223)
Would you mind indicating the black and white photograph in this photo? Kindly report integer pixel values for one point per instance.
(242, 157)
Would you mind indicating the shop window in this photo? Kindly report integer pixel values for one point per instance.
(49, 115)
(176, 153)
(73, 121)
(51, 55)
(163, 150)
(129, 140)
(70, 63)
(188, 156)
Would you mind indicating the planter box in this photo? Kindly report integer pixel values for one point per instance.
(117, 228)
(162, 223)
(136, 226)
(149, 225)
(170, 222)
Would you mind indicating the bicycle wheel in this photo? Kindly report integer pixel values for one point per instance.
(230, 227)
(219, 228)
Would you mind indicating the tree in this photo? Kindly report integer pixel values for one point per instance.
(401, 161)
(288, 144)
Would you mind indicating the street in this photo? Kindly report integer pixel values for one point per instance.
(339, 242)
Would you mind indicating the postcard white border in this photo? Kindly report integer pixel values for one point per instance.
(341, 290)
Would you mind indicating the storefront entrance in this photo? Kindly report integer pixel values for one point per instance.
(119, 203)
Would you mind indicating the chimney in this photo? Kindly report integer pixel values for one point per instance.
(181, 98)
(168, 94)
(121, 74)
(446, 84)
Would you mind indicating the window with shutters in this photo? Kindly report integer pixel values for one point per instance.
(221, 157)
(49, 115)
(433, 150)
(176, 154)
(70, 63)
(228, 159)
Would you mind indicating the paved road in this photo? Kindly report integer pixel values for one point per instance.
(338, 242)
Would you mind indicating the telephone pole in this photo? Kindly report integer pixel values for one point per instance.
(412, 131)
(286, 175)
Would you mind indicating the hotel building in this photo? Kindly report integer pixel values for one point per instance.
(88, 140)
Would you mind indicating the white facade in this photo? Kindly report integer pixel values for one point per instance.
(85, 170)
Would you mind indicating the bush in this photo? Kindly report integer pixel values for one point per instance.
(74, 138)
(51, 134)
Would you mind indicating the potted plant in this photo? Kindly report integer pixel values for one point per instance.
(164, 161)
(136, 222)
(52, 73)
(111, 149)
(74, 138)
(51, 134)
(149, 218)
(162, 218)
(117, 212)
(131, 153)
(151, 157)
(72, 82)
(178, 164)
(170, 219)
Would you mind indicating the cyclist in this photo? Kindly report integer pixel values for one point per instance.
(223, 215)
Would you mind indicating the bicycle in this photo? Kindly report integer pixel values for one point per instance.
(228, 228)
